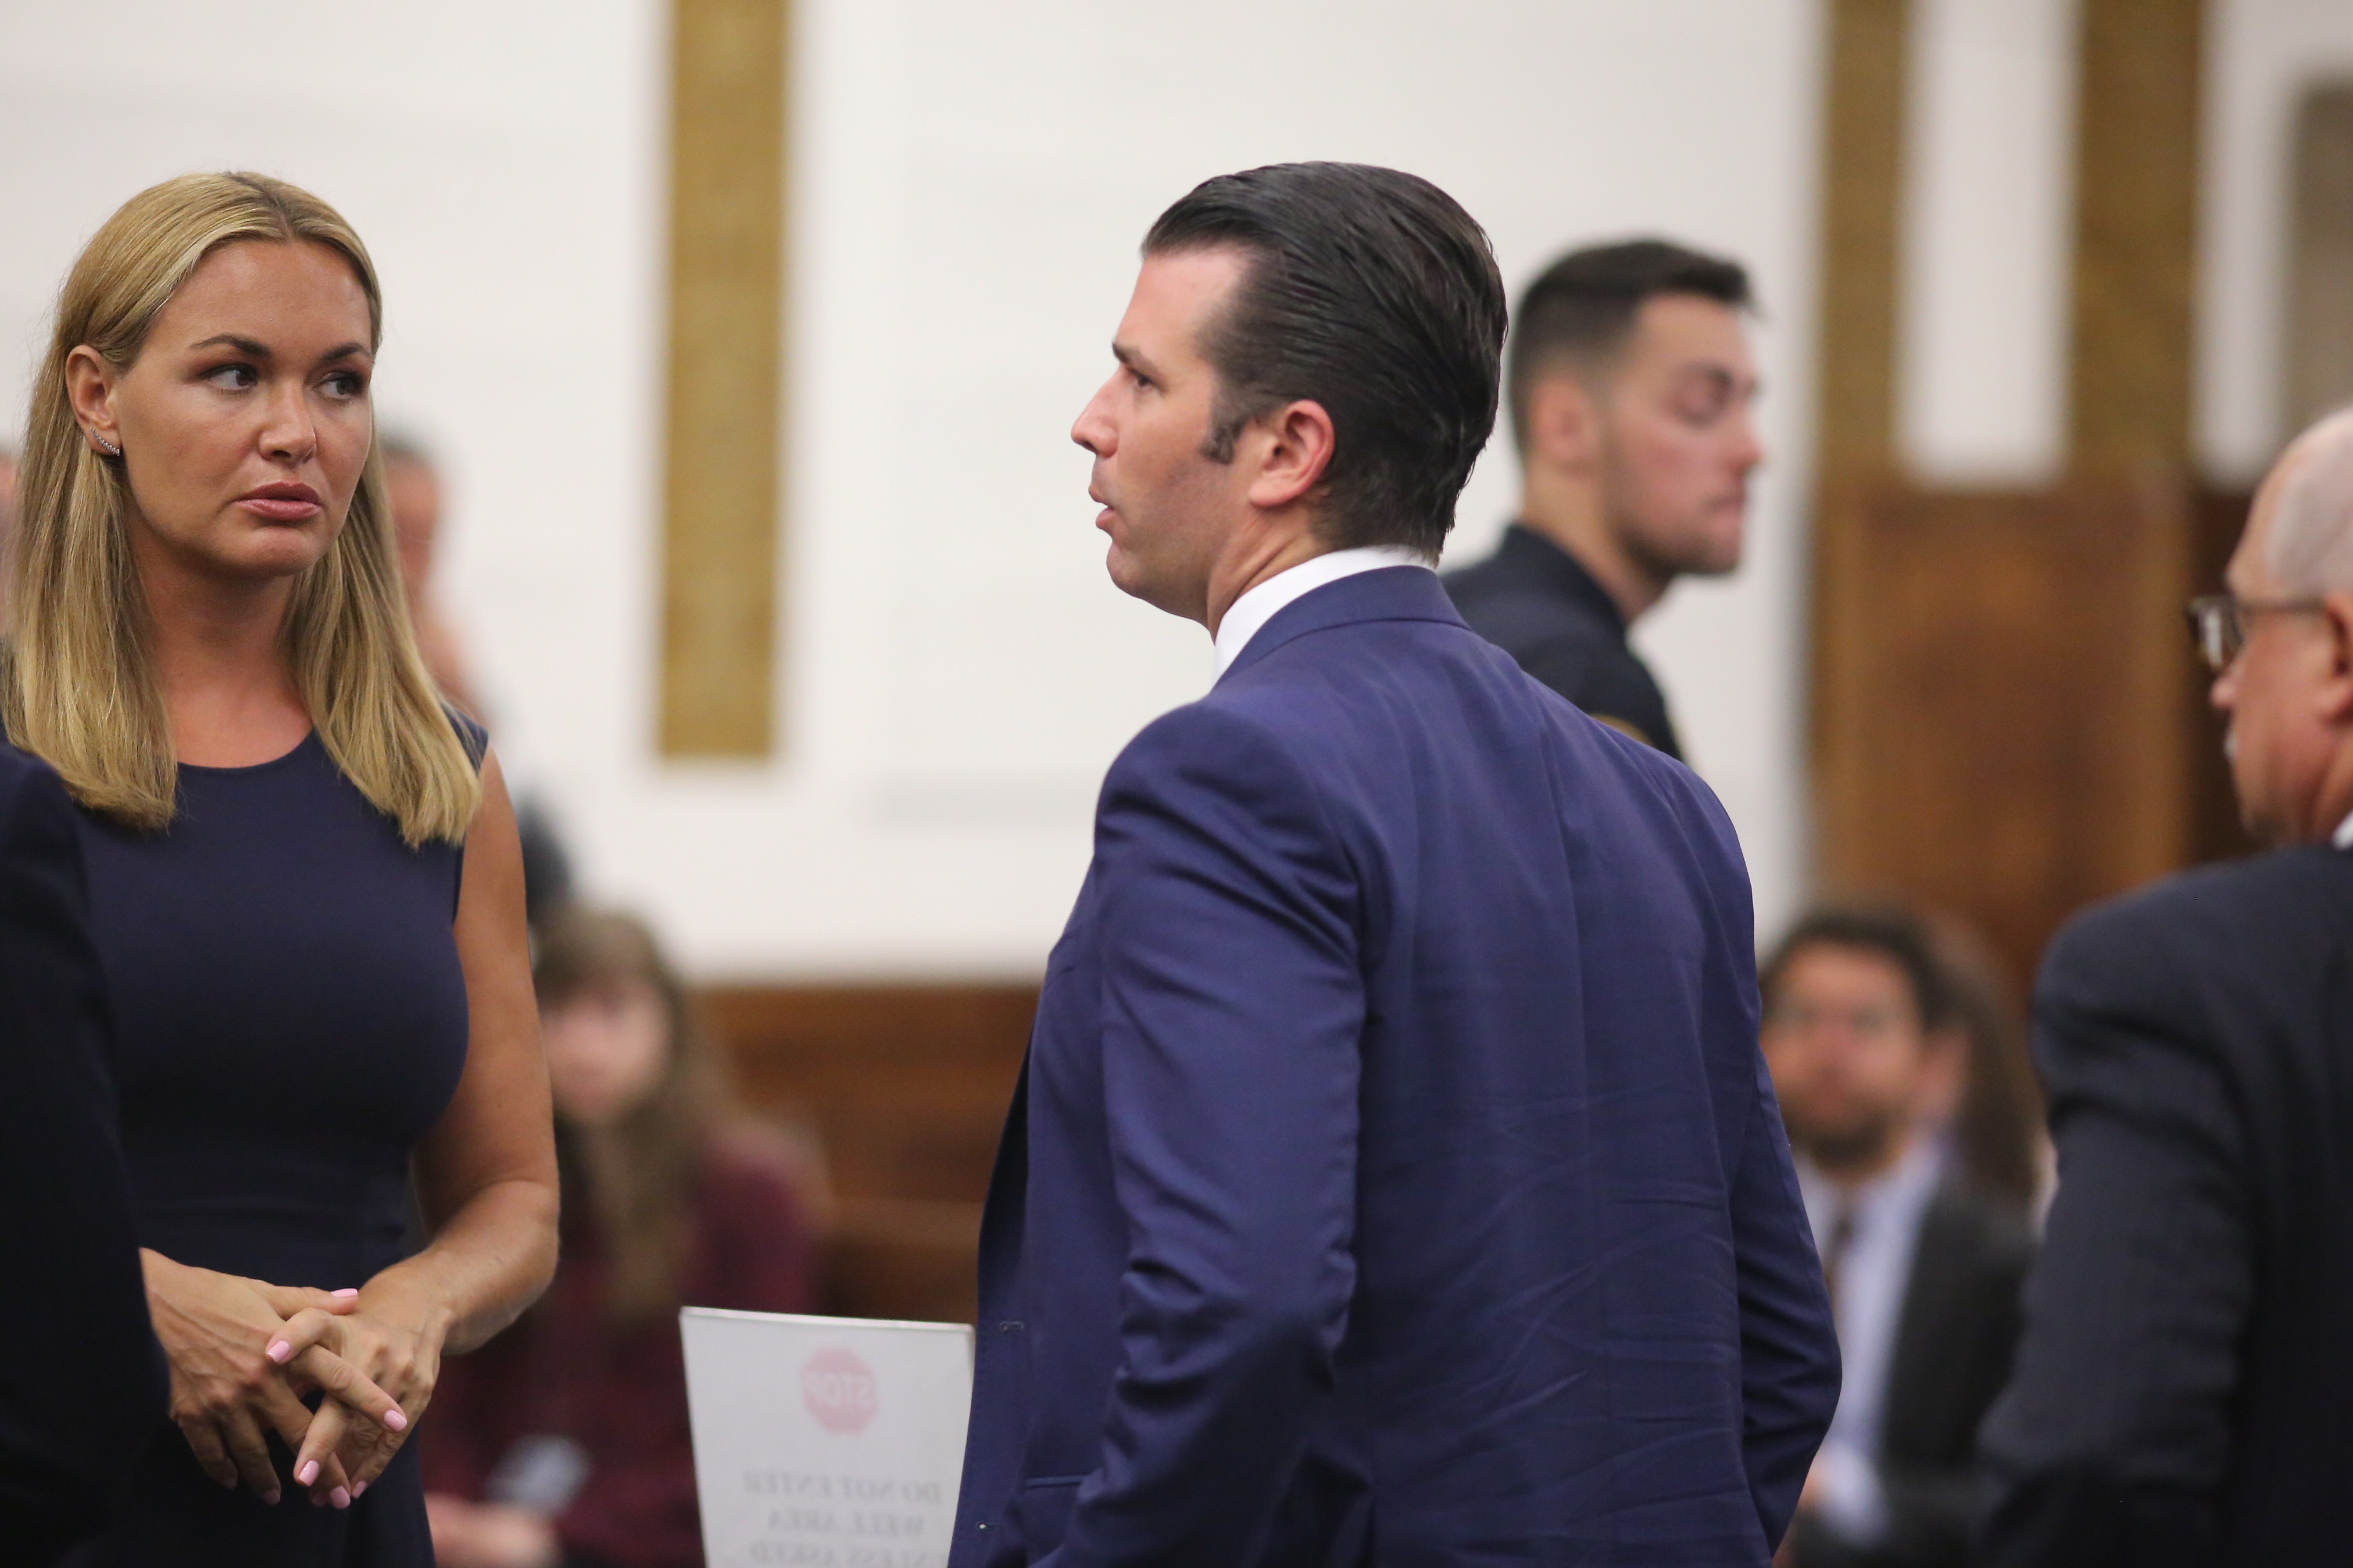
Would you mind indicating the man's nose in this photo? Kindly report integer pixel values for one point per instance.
(2225, 693)
(1093, 428)
(1748, 451)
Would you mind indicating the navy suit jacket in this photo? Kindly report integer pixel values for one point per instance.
(1394, 1178)
(82, 1380)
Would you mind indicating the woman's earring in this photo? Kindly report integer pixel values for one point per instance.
(109, 447)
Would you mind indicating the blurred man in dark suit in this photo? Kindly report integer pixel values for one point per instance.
(2184, 1392)
(82, 1378)
(1630, 381)
(1865, 1040)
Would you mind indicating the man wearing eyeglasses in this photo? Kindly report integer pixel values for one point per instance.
(2184, 1392)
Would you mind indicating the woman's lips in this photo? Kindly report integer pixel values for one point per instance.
(281, 508)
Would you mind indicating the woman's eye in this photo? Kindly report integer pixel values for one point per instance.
(233, 377)
(345, 383)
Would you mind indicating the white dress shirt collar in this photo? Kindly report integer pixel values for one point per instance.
(1250, 613)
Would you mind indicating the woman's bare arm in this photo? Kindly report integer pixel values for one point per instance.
(485, 1173)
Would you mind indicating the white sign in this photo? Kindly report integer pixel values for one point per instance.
(826, 1442)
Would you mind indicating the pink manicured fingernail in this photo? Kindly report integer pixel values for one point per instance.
(279, 1350)
(270, 1497)
(357, 1487)
(308, 1473)
(340, 1498)
(393, 1421)
(346, 1291)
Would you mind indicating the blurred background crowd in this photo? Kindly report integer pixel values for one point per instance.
(732, 497)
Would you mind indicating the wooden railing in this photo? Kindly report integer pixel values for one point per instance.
(905, 1090)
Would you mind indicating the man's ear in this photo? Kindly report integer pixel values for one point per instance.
(1563, 423)
(1290, 451)
(2336, 682)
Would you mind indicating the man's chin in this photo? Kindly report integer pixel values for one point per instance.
(1848, 1148)
(1125, 574)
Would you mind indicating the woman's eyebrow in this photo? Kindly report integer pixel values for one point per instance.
(242, 345)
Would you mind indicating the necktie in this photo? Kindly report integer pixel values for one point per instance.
(1834, 1254)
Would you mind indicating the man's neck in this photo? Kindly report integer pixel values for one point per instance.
(1258, 559)
(2333, 801)
(1569, 510)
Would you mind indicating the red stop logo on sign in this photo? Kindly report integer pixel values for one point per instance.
(840, 1389)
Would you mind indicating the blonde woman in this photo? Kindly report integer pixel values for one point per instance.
(304, 882)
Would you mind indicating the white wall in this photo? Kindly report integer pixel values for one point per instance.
(970, 185)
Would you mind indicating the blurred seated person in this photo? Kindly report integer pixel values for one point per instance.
(564, 1441)
(1867, 1048)
(413, 485)
(1997, 1140)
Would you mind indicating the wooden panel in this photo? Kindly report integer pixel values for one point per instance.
(1863, 131)
(907, 1089)
(2135, 234)
(2008, 747)
(726, 291)
(2319, 328)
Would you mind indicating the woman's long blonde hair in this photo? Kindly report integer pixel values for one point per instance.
(79, 688)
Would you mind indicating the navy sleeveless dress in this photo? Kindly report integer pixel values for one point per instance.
(291, 1019)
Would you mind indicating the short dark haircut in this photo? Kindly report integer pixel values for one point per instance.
(1581, 308)
(1373, 293)
(1884, 930)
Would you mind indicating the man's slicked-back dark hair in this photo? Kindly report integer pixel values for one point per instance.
(1580, 309)
(1373, 293)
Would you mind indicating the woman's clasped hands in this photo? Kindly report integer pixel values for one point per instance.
(246, 1357)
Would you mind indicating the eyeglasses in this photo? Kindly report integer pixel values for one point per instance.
(2218, 623)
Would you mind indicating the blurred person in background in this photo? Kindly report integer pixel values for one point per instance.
(7, 513)
(566, 1440)
(1996, 1138)
(305, 892)
(2184, 1392)
(413, 483)
(1630, 382)
(1868, 1047)
(414, 487)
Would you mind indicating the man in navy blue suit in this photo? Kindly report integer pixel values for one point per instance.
(1394, 1178)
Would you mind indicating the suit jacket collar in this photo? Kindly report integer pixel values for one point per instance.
(1391, 594)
